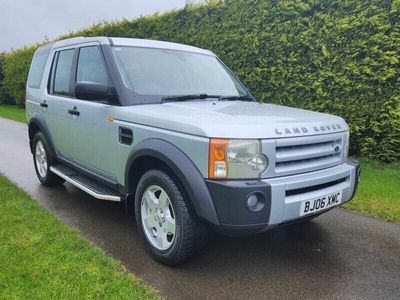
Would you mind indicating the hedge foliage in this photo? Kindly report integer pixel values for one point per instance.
(4, 96)
(335, 56)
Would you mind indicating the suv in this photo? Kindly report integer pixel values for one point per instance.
(169, 130)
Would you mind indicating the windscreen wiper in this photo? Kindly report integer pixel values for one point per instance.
(236, 97)
(188, 97)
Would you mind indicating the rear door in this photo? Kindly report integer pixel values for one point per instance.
(35, 102)
(59, 100)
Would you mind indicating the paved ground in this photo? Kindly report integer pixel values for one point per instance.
(339, 255)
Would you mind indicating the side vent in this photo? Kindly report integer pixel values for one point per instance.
(125, 136)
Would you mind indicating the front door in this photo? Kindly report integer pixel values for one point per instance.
(96, 139)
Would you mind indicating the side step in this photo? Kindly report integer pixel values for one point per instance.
(85, 183)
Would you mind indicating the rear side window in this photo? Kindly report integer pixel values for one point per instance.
(62, 76)
(37, 67)
(91, 66)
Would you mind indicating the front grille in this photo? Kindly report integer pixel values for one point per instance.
(304, 154)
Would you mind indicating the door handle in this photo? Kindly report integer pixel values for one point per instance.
(44, 104)
(74, 111)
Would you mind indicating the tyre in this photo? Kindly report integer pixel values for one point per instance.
(42, 161)
(165, 219)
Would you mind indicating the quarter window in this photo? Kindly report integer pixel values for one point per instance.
(37, 66)
(62, 75)
(90, 66)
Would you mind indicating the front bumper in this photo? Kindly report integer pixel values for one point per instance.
(281, 197)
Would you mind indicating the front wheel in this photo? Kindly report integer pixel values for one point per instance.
(42, 161)
(165, 219)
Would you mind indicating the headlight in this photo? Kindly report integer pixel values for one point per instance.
(347, 145)
(236, 159)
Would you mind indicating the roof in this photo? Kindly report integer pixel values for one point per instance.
(131, 42)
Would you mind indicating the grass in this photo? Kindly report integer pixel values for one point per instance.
(40, 257)
(13, 112)
(379, 191)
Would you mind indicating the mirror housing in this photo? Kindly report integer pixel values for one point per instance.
(87, 90)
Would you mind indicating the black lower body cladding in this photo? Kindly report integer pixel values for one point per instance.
(356, 164)
(241, 205)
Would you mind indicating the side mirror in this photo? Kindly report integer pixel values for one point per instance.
(87, 90)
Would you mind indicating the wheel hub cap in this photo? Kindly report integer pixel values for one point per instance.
(159, 217)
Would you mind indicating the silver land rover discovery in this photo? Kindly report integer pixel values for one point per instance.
(169, 130)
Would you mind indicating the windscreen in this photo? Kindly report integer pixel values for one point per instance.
(163, 73)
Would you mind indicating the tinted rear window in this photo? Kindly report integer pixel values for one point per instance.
(37, 67)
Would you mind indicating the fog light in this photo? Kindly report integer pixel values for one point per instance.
(255, 202)
(252, 201)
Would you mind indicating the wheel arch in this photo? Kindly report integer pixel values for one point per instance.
(160, 154)
(38, 124)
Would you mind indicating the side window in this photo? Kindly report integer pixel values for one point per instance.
(37, 67)
(90, 66)
(62, 74)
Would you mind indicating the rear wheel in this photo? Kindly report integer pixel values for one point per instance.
(165, 219)
(42, 161)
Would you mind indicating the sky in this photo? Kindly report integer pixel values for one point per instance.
(25, 22)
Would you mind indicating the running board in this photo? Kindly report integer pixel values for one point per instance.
(85, 183)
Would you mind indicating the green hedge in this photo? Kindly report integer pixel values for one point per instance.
(336, 56)
(15, 70)
(5, 98)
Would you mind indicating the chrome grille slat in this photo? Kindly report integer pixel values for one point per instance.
(304, 151)
(313, 139)
(305, 165)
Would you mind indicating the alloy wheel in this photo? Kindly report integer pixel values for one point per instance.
(41, 159)
(158, 217)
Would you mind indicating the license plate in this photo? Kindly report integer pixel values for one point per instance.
(320, 203)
